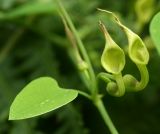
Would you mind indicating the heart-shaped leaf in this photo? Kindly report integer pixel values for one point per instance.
(38, 97)
(155, 31)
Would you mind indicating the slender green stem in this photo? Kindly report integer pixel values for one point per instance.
(120, 84)
(144, 77)
(82, 73)
(93, 83)
(100, 106)
(84, 94)
(105, 79)
(106, 76)
(81, 47)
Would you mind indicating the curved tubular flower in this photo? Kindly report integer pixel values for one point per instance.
(139, 54)
(112, 64)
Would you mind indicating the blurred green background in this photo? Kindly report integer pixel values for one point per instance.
(33, 44)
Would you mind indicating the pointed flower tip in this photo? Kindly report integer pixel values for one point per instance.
(108, 38)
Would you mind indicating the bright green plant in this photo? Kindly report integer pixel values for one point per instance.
(43, 94)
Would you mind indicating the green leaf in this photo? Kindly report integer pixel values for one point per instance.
(155, 31)
(38, 97)
(30, 8)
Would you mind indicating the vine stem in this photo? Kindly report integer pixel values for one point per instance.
(120, 83)
(93, 83)
(84, 94)
(102, 110)
(81, 47)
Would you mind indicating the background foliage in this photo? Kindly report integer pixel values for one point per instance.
(33, 43)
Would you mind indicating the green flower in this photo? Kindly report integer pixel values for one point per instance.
(113, 57)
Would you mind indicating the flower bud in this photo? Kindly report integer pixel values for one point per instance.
(144, 10)
(82, 65)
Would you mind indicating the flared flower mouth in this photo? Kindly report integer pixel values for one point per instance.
(138, 52)
(113, 59)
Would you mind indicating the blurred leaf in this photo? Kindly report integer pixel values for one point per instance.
(155, 31)
(30, 8)
(38, 97)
